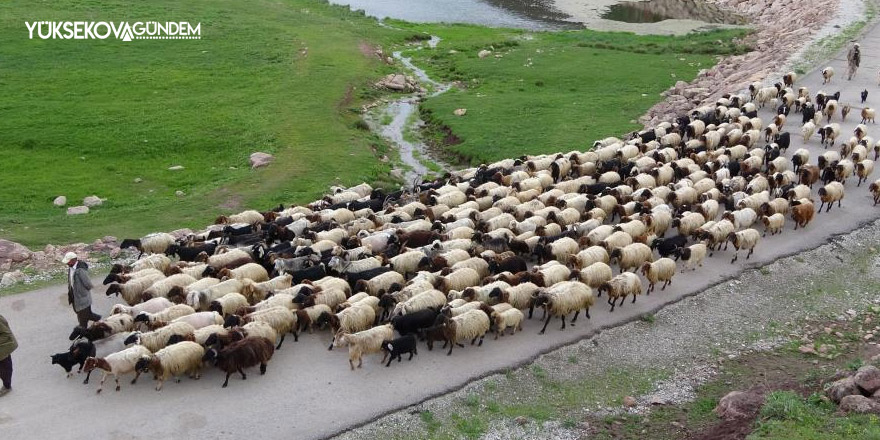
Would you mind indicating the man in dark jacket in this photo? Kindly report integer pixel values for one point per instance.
(7, 346)
(79, 288)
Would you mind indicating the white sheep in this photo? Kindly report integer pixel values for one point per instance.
(595, 274)
(745, 239)
(864, 169)
(693, 255)
(807, 130)
(169, 314)
(257, 291)
(157, 339)
(132, 291)
(280, 318)
(364, 342)
(421, 301)
(229, 303)
(117, 364)
(590, 255)
(564, 298)
(251, 271)
(631, 256)
(827, 74)
(172, 361)
(621, 286)
(830, 193)
(162, 287)
(661, 270)
(153, 305)
(473, 325)
(201, 299)
(511, 318)
(773, 223)
(201, 335)
(408, 262)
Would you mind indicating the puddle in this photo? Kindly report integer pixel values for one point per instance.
(654, 11)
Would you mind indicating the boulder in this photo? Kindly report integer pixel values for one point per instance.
(10, 250)
(484, 53)
(859, 404)
(868, 379)
(842, 388)
(10, 278)
(92, 201)
(260, 159)
(77, 210)
(460, 112)
(739, 404)
(60, 201)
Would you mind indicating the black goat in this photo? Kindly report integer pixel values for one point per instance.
(400, 346)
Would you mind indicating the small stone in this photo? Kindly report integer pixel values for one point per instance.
(828, 330)
(77, 210)
(60, 201)
(260, 159)
(175, 168)
(677, 425)
(807, 349)
(869, 336)
(484, 53)
(91, 201)
(838, 334)
(460, 112)
(657, 400)
(138, 180)
(851, 312)
(521, 420)
(629, 401)
(738, 404)
(179, 193)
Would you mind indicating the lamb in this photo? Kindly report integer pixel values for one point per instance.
(380, 284)
(153, 305)
(827, 74)
(631, 256)
(661, 270)
(162, 287)
(78, 353)
(171, 361)
(472, 325)
(228, 304)
(621, 286)
(830, 193)
(400, 346)
(773, 223)
(364, 342)
(807, 130)
(166, 315)
(693, 255)
(564, 298)
(511, 318)
(131, 291)
(864, 169)
(117, 364)
(251, 271)
(280, 318)
(156, 243)
(241, 354)
(802, 212)
(158, 339)
(667, 246)
(745, 239)
(594, 275)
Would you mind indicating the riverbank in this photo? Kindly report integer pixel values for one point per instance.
(806, 36)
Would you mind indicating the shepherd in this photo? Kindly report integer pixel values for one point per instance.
(853, 58)
(79, 288)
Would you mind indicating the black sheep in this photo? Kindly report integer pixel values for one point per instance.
(189, 253)
(783, 140)
(414, 322)
(864, 95)
(668, 246)
(313, 273)
(400, 346)
(514, 264)
(808, 113)
(354, 277)
(241, 354)
(76, 354)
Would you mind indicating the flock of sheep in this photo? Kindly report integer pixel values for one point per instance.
(478, 250)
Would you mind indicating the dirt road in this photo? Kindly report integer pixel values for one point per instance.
(309, 392)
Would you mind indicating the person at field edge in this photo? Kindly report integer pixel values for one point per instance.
(853, 59)
(79, 288)
(8, 344)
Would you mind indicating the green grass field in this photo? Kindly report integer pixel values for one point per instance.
(553, 92)
(83, 117)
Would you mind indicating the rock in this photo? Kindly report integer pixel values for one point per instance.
(629, 401)
(677, 425)
(114, 252)
(868, 379)
(60, 201)
(179, 193)
(859, 404)
(521, 420)
(10, 278)
(657, 400)
(460, 112)
(175, 168)
(260, 159)
(842, 388)
(484, 53)
(10, 250)
(138, 180)
(739, 404)
(181, 233)
(91, 201)
(108, 239)
(807, 349)
(77, 210)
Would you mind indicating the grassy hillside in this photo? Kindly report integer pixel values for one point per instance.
(88, 117)
(83, 117)
(546, 92)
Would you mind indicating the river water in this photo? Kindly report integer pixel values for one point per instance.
(646, 17)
